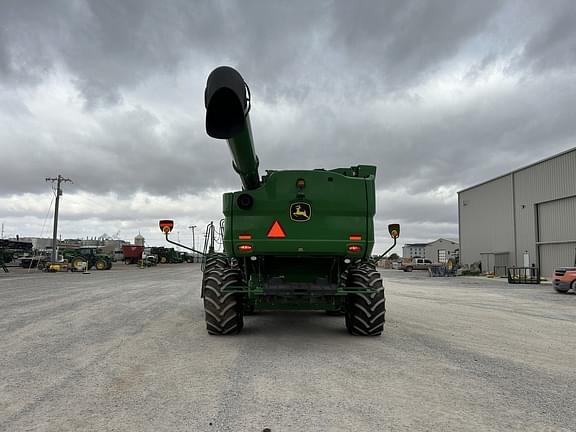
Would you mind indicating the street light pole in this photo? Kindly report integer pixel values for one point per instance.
(193, 239)
(59, 180)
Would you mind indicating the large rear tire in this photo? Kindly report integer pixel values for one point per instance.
(79, 264)
(223, 310)
(365, 313)
(215, 260)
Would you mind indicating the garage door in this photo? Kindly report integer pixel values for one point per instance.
(556, 255)
(556, 234)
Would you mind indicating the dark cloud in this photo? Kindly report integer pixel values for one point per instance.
(123, 152)
(552, 46)
(286, 47)
(394, 43)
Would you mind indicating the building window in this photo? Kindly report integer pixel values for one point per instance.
(442, 255)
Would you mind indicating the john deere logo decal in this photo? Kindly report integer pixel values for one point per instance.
(300, 212)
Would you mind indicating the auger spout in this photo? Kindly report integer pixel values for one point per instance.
(227, 100)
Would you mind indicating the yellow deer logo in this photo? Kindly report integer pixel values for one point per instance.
(300, 212)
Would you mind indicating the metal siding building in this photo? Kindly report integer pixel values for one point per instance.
(528, 211)
(440, 250)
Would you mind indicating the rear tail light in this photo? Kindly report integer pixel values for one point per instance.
(245, 248)
(354, 248)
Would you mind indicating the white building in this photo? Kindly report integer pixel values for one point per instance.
(523, 218)
(440, 250)
(414, 250)
(437, 251)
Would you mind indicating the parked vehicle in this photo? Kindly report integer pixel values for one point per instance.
(10, 249)
(85, 258)
(166, 255)
(148, 258)
(416, 264)
(132, 253)
(565, 279)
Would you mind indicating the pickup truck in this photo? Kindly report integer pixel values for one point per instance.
(565, 280)
(416, 264)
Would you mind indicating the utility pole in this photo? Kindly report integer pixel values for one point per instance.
(59, 180)
(193, 240)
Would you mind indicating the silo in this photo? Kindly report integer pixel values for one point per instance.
(139, 240)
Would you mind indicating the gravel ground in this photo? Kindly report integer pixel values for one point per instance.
(127, 350)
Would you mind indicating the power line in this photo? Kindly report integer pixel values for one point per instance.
(59, 180)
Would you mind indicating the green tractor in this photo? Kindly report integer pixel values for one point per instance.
(86, 258)
(292, 240)
(167, 255)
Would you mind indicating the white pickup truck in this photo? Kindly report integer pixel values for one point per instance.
(416, 264)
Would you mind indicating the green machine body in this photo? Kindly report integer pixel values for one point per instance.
(293, 239)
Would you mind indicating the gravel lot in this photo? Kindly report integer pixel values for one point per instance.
(127, 350)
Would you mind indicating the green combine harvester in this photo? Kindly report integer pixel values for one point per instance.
(294, 239)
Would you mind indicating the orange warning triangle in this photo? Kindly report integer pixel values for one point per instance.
(276, 231)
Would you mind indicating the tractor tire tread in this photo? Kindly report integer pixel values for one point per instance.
(365, 313)
(223, 310)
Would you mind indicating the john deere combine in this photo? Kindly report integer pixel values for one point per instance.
(293, 240)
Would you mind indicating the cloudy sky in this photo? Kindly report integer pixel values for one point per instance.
(440, 95)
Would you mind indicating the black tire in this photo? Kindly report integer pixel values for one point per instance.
(223, 310)
(78, 263)
(409, 269)
(365, 313)
(215, 260)
(101, 264)
(571, 289)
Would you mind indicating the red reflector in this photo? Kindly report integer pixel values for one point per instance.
(276, 231)
(354, 248)
(355, 237)
(245, 237)
(245, 248)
